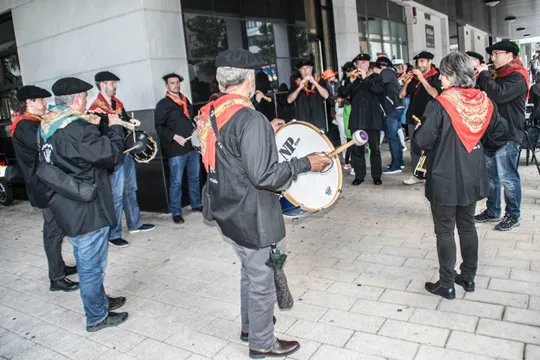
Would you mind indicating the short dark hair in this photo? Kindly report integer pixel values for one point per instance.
(97, 85)
(20, 107)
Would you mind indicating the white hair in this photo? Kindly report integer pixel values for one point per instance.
(459, 70)
(64, 99)
(230, 76)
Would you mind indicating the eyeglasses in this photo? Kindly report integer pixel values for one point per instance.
(497, 53)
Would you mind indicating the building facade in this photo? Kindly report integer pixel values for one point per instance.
(140, 41)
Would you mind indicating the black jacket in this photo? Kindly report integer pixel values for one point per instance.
(420, 97)
(243, 189)
(365, 94)
(390, 97)
(535, 100)
(81, 151)
(170, 120)
(509, 93)
(454, 176)
(26, 152)
(310, 108)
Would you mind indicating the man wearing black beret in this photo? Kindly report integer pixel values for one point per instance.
(174, 124)
(423, 87)
(476, 58)
(70, 143)
(509, 90)
(124, 177)
(244, 176)
(24, 127)
(308, 93)
(364, 88)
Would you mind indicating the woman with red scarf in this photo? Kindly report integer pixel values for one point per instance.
(456, 128)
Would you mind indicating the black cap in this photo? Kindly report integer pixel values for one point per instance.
(305, 62)
(238, 58)
(504, 45)
(70, 86)
(106, 76)
(348, 67)
(172, 75)
(32, 92)
(384, 61)
(424, 55)
(362, 57)
(475, 55)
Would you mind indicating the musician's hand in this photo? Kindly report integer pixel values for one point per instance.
(258, 96)
(277, 124)
(418, 74)
(180, 140)
(362, 73)
(93, 119)
(482, 67)
(318, 161)
(135, 122)
(114, 119)
(98, 110)
(304, 81)
(312, 80)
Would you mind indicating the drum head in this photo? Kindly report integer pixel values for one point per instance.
(195, 141)
(311, 191)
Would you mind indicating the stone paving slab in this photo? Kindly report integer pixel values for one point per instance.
(356, 272)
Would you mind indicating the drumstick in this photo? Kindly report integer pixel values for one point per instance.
(415, 118)
(360, 137)
(341, 149)
(134, 136)
(267, 98)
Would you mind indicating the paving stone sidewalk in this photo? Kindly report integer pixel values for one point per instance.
(356, 271)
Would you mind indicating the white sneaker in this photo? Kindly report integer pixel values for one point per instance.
(352, 172)
(413, 181)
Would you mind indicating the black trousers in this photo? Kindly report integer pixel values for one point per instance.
(445, 219)
(52, 242)
(359, 159)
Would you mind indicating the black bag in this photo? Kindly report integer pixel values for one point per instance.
(207, 206)
(62, 183)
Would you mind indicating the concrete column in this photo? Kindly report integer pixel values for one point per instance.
(281, 43)
(346, 26)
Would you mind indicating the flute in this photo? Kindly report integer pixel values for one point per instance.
(125, 124)
(476, 72)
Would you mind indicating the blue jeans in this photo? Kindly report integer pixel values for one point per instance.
(502, 170)
(391, 123)
(192, 163)
(90, 252)
(124, 192)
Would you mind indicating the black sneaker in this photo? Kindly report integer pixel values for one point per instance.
(114, 319)
(507, 223)
(120, 243)
(64, 285)
(441, 290)
(143, 228)
(197, 209)
(468, 286)
(484, 217)
(178, 219)
(116, 303)
(70, 270)
(377, 182)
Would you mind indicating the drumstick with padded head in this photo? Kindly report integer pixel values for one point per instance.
(360, 137)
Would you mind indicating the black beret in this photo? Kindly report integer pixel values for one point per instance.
(172, 75)
(106, 76)
(306, 62)
(32, 92)
(424, 55)
(504, 45)
(362, 57)
(475, 55)
(238, 58)
(70, 86)
(384, 61)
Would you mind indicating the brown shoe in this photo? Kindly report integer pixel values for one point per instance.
(280, 348)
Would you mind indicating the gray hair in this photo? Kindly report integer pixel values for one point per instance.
(64, 99)
(229, 76)
(458, 68)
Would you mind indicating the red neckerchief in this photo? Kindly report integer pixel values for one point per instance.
(431, 72)
(310, 88)
(18, 118)
(224, 108)
(470, 111)
(103, 104)
(514, 66)
(181, 101)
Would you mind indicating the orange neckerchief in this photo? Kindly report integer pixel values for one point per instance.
(18, 118)
(470, 111)
(181, 101)
(224, 108)
(307, 88)
(514, 66)
(431, 72)
(103, 104)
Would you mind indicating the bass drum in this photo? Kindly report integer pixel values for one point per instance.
(311, 192)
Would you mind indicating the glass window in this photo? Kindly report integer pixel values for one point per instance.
(386, 30)
(374, 27)
(376, 47)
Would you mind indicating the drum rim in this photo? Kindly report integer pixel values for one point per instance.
(337, 163)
